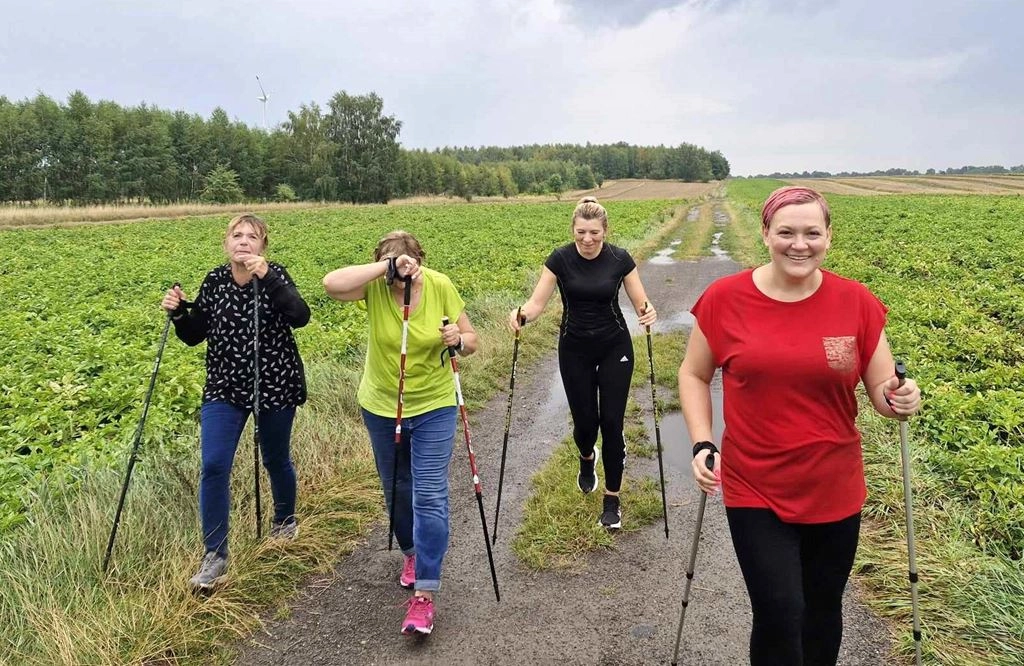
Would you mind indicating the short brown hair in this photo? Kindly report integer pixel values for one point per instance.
(258, 225)
(397, 243)
(589, 209)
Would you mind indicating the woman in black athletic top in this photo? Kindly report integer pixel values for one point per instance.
(595, 351)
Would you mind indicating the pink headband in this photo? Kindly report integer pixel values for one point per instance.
(788, 196)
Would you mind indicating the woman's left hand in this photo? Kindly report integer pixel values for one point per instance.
(450, 335)
(255, 264)
(903, 400)
(648, 315)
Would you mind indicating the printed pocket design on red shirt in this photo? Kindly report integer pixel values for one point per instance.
(841, 353)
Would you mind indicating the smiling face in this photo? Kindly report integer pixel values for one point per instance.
(589, 237)
(797, 239)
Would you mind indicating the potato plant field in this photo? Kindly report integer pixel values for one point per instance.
(951, 271)
(80, 316)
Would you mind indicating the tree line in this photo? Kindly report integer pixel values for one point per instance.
(84, 152)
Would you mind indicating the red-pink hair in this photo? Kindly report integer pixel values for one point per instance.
(791, 195)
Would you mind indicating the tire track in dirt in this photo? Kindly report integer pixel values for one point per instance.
(620, 607)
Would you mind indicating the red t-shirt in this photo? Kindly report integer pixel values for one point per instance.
(789, 372)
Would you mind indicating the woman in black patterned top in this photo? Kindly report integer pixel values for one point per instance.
(223, 316)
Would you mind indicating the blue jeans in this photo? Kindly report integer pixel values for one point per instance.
(221, 426)
(421, 492)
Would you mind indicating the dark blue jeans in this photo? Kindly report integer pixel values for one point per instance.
(221, 426)
(421, 493)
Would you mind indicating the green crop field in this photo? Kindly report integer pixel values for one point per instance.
(81, 320)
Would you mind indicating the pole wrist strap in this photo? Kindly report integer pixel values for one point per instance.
(700, 446)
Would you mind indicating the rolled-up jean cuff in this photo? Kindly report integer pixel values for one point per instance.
(428, 585)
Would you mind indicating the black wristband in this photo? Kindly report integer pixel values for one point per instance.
(700, 446)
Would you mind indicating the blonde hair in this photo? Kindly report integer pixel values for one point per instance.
(258, 225)
(397, 243)
(589, 209)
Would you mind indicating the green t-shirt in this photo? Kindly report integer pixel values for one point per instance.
(428, 384)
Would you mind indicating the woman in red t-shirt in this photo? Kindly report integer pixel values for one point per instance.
(793, 341)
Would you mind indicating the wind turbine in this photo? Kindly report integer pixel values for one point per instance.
(263, 98)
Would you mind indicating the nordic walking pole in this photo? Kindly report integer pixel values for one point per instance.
(256, 401)
(135, 444)
(472, 460)
(508, 420)
(710, 462)
(901, 374)
(407, 299)
(657, 428)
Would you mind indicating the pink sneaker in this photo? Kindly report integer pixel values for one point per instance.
(408, 576)
(420, 617)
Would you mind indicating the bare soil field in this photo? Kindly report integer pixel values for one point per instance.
(873, 185)
(636, 189)
(66, 216)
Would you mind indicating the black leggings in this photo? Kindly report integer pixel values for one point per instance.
(596, 378)
(795, 575)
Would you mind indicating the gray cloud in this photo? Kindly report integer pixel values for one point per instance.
(615, 12)
(787, 86)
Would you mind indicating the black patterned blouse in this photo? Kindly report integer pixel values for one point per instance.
(223, 316)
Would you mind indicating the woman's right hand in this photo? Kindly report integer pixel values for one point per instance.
(516, 319)
(709, 480)
(407, 266)
(173, 298)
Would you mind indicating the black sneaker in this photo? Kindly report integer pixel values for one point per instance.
(611, 515)
(587, 478)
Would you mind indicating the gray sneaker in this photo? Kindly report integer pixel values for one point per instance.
(286, 530)
(212, 572)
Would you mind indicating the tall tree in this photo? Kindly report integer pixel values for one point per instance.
(367, 146)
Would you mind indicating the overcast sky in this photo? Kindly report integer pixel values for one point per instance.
(776, 85)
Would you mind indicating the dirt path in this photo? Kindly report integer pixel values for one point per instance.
(622, 607)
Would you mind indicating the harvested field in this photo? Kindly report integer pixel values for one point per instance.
(871, 185)
(634, 190)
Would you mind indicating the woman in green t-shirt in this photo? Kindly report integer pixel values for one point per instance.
(428, 401)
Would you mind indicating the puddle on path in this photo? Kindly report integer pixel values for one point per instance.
(716, 248)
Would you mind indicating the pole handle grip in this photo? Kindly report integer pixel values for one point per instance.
(901, 372)
(709, 462)
(184, 304)
(451, 350)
